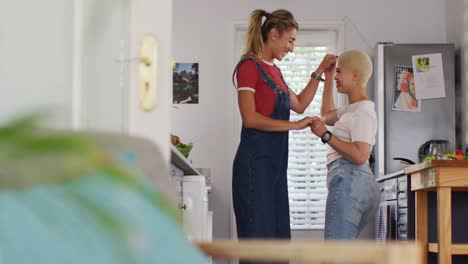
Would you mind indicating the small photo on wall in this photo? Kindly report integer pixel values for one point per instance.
(185, 83)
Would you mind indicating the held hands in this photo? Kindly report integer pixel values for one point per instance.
(318, 126)
(303, 123)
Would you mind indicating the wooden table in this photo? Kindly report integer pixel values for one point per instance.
(441, 176)
(314, 251)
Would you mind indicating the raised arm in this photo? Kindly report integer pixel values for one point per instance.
(328, 109)
(299, 102)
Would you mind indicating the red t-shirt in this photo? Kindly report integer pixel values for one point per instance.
(250, 79)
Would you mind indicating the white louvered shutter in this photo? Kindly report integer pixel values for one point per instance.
(307, 170)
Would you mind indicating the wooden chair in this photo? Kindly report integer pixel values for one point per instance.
(314, 251)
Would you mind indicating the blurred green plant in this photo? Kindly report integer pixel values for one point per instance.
(31, 155)
(184, 148)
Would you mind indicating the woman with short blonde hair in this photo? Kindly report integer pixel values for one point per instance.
(353, 193)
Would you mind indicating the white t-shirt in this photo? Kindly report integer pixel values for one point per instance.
(356, 122)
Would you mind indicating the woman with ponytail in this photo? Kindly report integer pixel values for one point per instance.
(260, 193)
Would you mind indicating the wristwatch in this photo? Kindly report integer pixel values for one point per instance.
(313, 75)
(326, 137)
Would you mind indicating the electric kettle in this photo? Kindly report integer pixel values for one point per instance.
(437, 147)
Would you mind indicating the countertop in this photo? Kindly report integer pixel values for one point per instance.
(436, 163)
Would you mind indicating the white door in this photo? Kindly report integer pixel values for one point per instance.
(77, 59)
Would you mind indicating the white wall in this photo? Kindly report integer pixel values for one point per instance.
(36, 44)
(204, 33)
(36, 66)
(457, 32)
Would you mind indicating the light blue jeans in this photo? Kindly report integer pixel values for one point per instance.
(353, 199)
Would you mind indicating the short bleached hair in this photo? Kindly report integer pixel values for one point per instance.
(358, 61)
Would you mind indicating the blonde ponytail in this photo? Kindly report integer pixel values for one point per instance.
(254, 38)
(257, 32)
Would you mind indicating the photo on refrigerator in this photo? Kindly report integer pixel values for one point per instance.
(404, 93)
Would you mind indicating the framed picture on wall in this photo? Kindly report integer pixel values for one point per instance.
(185, 83)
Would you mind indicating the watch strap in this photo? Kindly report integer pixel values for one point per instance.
(317, 77)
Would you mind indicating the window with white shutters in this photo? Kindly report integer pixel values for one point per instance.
(307, 169)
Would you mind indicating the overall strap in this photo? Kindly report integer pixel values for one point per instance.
(282, 76)
(265, 77)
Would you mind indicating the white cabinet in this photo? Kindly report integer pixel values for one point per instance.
(192, 190)
(197, 217)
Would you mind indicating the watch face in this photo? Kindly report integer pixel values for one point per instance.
(326, 137)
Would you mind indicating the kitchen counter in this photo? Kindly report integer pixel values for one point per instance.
(390, 176)
(441, 176)
(439, 173)
(436, 163)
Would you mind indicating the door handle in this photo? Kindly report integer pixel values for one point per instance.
(147, 81)
(147, 72)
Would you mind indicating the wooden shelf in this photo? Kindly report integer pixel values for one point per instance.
(456, 249)
(459, 249)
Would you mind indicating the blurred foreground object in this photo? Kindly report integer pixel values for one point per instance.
(64, 200)
(315, 251)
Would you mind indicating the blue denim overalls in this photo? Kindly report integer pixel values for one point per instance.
(259, 184)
